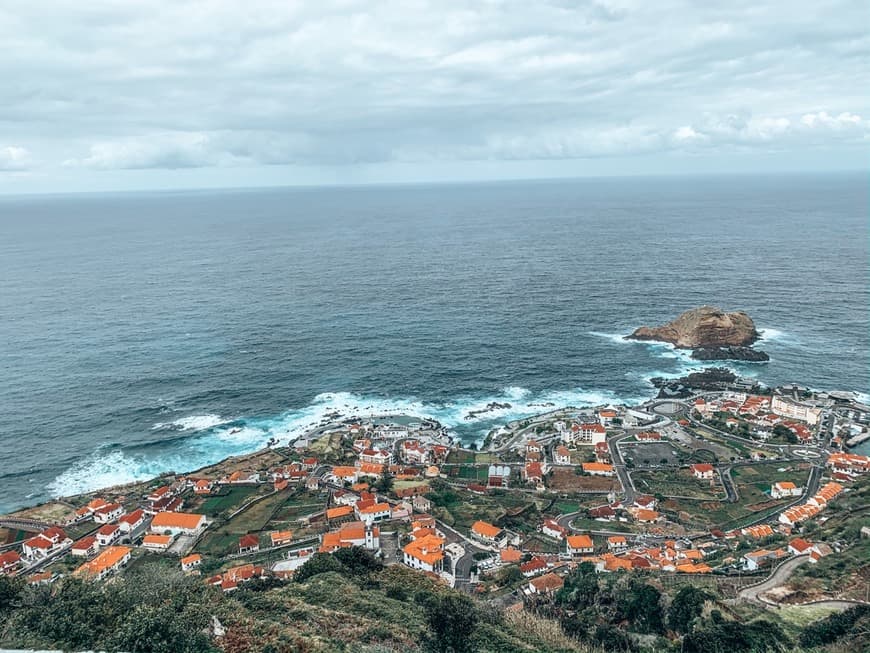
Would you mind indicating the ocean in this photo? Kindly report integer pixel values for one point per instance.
(146, 332)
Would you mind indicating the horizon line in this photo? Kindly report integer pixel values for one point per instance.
(438, 182)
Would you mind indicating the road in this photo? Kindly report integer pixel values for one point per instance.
(777, 578)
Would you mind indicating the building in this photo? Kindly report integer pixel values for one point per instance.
(533, 473)
(376, 456)
(203, 487)
(414, 453)
(498, 476)
(533, 446)
(757, 532)
(602, 452)
(546, 584)
(374, 513)
(589, 433)
(533, 567)
(606, 416)
(280, 538)
(761, 558)
(155, 542)
(47, 543)
(784, 489)
(648, 436)
(487, 533)
(339, 513)
(108, 513)
(9, 562)
(107, 534)
(191, 562)
(799, 547)
(249, 544)
(131, 521)
(425, 553)
(598, 469)
(703, 471)
(351, 534)
(562, 455)
(644, 516)
(177, 523)
(162, 492)
(795, 410)
(422, 504)
(849, 463)
(551, 528)
(85, 547)
(344, 474)
(579, 545)
(109, 560)
(617, 543)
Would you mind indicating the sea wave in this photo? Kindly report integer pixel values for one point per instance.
(469, 418)
(192, 423)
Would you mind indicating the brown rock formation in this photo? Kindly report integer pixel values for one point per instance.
(706, 326)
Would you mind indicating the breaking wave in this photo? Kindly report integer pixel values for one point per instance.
(213, 438)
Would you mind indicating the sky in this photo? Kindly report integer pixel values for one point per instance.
(109, 95)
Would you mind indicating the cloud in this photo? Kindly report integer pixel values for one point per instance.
(14, 158)
(112, 85)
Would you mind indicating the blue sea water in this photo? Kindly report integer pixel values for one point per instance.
(138, 330)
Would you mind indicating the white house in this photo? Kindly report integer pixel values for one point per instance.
(374, 513)
(562, 455)
(108, 513)
(703, 471)
(579, 545)
(107, 534)
(131, 521)
(46, 543)
(552, 529)
(784, 489)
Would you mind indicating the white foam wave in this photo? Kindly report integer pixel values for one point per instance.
(102, 471)
(219, 439)
(193, 423)
(616, 338)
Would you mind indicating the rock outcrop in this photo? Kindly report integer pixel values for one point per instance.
(747, 354)
(706, 327)
(708, 380)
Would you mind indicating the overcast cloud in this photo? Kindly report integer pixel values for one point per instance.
(118, 93)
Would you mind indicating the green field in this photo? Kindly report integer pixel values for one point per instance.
(677, 483)
(234, 497)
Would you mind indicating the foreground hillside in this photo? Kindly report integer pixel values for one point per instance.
(355, 607)
(349, 602)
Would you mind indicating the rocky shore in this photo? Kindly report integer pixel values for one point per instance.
(711, 379)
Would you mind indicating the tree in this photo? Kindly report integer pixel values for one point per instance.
(639, 602)
(357, 560)
(452, 619)
(10, 590)
(320, 563)
(687, 605)
(385, 482)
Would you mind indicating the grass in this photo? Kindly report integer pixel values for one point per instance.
(801, 615)
(565, 507)
(215, 505)
(678, 483)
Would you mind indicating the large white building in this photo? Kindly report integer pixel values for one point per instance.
(794, 410)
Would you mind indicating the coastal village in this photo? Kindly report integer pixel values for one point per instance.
(725, 485)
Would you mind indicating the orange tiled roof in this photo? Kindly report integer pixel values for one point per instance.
(597, 467)
(183, 520)
(339, 511)
(485, 529)
(579, 541)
